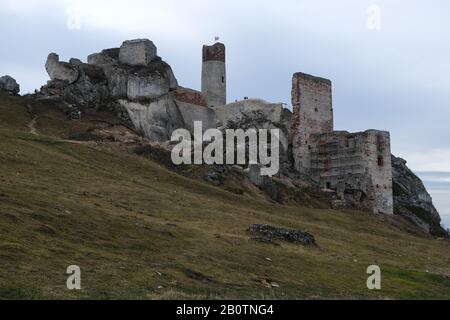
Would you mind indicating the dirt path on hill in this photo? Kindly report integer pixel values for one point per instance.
(32, 124)
(32, 127)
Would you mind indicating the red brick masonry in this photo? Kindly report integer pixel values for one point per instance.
(214, 53)
(190, 96)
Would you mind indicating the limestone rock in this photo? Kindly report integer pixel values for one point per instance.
(106, 57)
(412, 201)
(155, 120)
(151, 81)
(149, 86)
(139, 52)
(89, 90)
(259, 114)
(139, 82)
(75, 62)
(256, 114)
(61, 70)
(9, 84)
(117, 81)
(133, 72)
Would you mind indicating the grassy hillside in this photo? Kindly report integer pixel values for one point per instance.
(139, 231)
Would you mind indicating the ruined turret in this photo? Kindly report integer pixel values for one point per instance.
(214, 84)
(313, 114)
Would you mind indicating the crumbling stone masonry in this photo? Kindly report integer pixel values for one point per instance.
(356, 165)
(313, 113)
(139, 52)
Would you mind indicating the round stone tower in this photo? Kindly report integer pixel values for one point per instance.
(214, 78)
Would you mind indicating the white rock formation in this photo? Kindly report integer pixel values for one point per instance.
(106, 57)
(147, 86)
(139, 52)
(234, 111)
(155, 120)
(61, 70)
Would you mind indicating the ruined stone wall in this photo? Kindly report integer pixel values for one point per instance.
(377, 158)
(356, 165)
(193, 107)
(139, 52)
(214, 78)
(334, 156)
(313, 114)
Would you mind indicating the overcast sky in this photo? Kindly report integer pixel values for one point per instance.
(396, 77)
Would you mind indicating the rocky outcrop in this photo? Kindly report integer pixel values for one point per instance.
(258, 114)
(265, 233)
(106, 57)
(139, 52)
(61, 71)
(77, 83)
(155, 120)
(9, 85)
(131, 73)
(412, 201)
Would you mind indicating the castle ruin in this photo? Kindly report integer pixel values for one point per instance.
(214, 85)
(357, 163)
(133, 81)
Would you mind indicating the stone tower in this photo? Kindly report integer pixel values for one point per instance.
(313, 114)
(214, 80)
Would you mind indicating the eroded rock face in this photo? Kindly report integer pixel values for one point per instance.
(258, 114)
(106, 57)
(89, 90)
(155, 120)
(62, 71)
(117, 81)
(149, 82)
(412, 201)
(148, 86)
(139, 52)
(9, 84)
(132, 80)
(255, 114)
(133, 72)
